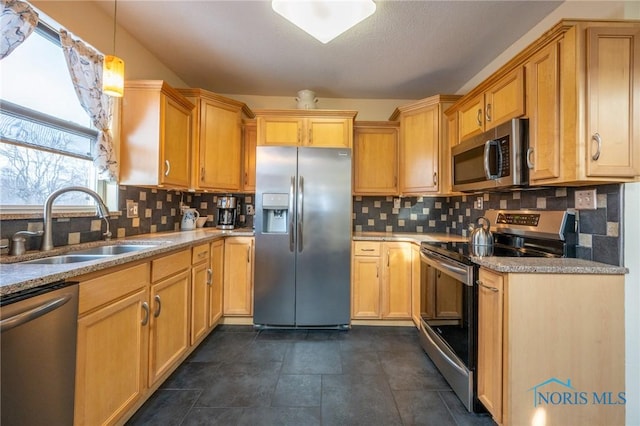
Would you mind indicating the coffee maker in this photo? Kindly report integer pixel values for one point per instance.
(227, 211)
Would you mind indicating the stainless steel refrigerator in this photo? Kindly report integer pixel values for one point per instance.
(303, 237)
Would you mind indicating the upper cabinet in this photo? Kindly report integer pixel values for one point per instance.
(155, 143)
(375, 158)
(312, 128)
(424, 149)
(217, 141)
(500, 102)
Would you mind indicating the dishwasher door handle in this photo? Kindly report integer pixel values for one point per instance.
(33, 313)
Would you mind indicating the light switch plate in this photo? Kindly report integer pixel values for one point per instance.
(249, 208)
(586, 199)
(479, 204)
(132, 209)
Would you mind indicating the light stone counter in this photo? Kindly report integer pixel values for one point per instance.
(543, 265)
(16, 277)
(405, 237)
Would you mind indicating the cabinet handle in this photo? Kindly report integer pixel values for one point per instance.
(246, 178)
(388, 256)
(479, 117)
(145, 308)
(435, 178)
(377, 271)
(367, 249)
(167, 167)
(299, 135)
(488, 112)
(248, 254)
(209, 276)
(529, 156)
(156, 314)
(596, 137)
(310, 137)
(493, 289)
(202, 254)
(202, 174)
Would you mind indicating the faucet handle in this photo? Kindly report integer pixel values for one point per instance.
(17, 246)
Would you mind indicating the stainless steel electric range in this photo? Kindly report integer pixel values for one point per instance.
(449, 294)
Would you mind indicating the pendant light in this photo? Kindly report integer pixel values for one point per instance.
(113, 71)
(324, 19)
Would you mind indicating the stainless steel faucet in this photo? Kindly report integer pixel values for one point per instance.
(103, 212)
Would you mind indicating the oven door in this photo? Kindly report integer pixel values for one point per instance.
(447, 331)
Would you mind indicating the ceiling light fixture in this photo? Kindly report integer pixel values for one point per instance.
(324, 19)
(113, 70)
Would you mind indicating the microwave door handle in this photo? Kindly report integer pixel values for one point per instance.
(487, 152)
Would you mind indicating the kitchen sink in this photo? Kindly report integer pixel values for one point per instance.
(66, 258)
(114, 249)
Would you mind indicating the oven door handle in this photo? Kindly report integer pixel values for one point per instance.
(450, 268)
(446, 357)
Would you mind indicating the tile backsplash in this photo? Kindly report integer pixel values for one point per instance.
(599, 231)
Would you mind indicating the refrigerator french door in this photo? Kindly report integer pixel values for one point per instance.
(303, 237)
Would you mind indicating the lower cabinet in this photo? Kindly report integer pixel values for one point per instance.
(217, 282)
(381, 280)
(238, 276)
(551, 348)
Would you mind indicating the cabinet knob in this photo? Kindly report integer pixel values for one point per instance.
(596, 137)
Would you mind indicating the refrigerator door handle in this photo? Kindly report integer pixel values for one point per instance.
(300, 213)
(291, 219)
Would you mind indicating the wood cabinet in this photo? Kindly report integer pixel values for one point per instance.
(217, 282)
(217, 140)
(169, 304)
(113, 331)
(540, 335)
(250, 141)
(312, 128)
(238, 276)
(201, 281)
(500, 102)
(424, 154)
(375, 158)
(381, 280)
(155, 146)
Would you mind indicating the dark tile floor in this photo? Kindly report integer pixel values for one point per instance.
(364, 376)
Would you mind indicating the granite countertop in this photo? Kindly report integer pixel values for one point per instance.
(405, 237)
(543, 265)
(16, 277)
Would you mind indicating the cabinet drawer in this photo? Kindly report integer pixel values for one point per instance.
(366, 248)
(199, 253)
(106, 288)
(169, 265)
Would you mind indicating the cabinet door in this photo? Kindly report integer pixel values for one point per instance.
(249, 151)
(280, 130)
(415, 284)
(490, 341)
(169, 324)
(215, 288)
(543, 110)
(505, 99)
(375, 161)
(220, 146)
(448, 297)
(176, 144)
(111, 360)
(200, 284)
(396, 289)
(471, 118)
(329, 133)
(365, 287)
(419, 151)
(238, 276)
(613, 106)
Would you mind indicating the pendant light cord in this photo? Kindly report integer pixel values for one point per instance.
(115, 14)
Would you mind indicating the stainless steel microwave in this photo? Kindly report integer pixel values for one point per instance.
(493, 160)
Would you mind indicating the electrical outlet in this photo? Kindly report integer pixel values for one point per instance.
(249, 209)
(132, 209)
(479, 204)
(396, 203)
(586, 199)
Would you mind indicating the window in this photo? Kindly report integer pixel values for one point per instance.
(46, 137)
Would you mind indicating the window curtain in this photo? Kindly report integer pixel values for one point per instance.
(85, 67)
(17, 22)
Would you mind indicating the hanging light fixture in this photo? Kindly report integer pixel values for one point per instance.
(113, 71)
(324, 19)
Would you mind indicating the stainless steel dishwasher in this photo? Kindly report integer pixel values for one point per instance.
(38, 355)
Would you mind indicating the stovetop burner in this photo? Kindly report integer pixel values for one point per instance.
(519, 234)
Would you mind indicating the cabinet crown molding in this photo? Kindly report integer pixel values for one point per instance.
(432, 100)
(159, 86)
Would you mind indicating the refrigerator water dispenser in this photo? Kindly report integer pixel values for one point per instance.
(275, 208)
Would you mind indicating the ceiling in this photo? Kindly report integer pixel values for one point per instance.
(406, 50)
